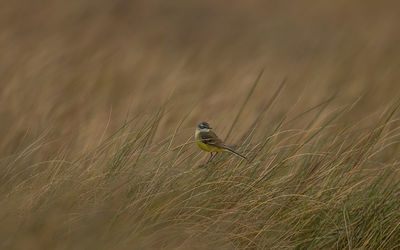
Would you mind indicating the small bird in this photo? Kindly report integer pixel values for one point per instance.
(208, 141)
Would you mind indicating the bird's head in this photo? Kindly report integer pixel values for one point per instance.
(204, 126)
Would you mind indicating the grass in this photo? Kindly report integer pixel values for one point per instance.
(99, 101)
(321, 187)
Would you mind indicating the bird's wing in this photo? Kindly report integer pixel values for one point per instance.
(211, 138)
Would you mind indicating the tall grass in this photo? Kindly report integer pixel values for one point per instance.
(326, 186)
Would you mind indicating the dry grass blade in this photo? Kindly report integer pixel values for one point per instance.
(253, 87)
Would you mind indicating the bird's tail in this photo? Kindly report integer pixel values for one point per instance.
(235, 153)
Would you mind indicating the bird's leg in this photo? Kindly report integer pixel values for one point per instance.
(209, 159)
(212, 157)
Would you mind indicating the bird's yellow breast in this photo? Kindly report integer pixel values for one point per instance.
(204, 146)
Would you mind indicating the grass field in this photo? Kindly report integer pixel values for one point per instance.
(99, 101)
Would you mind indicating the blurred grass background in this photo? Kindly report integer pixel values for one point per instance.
(73, 73)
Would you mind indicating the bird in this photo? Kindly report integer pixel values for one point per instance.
(208, 141)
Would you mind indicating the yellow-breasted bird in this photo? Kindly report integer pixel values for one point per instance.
(208, 141)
